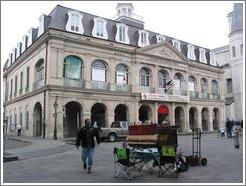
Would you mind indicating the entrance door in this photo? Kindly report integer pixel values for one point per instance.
(72, 119)
(144, 113)
(179, 118)
(193, 118)
(98, 114)
(37, 119)
(120, 113)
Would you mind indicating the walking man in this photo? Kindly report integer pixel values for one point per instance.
(87, 137)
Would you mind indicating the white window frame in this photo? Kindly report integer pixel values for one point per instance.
(191, 52)
(24, 46)
(29, 37)
(140, 34)
(18, 50)
(10, 58)
(13, 54)
(104, 29)
(202, 56)
(176, 44)
(117, 36)
(71, 22)
(99, 73)
(41, 25)
(160, 38)
(212, 59)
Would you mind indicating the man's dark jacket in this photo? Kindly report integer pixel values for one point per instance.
(86, 136)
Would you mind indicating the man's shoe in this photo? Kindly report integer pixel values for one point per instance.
(89, 170)
(84, 166)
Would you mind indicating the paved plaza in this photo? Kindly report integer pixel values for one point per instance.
(49, 161)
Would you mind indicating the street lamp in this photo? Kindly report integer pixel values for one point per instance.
(55, 115)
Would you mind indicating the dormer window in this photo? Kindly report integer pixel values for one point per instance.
(212, 59)
(143, 39)
(74, 23)
(30, 37)
(99, 29)
(122, 33)
(24, 43)
(202, 56)
(160, 38)
(176, 44)
(191, 52)
(18, 50)
(41, 25)
(14, 54)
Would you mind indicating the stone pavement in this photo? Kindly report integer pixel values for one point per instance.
(49, 161)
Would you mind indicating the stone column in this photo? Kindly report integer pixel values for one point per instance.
(199, 117)
(111, 74)
(222, 116)
(209, 88)
(110, 120)
(198, 85)
(184, 85)
(155, 112)
(172, 119)
(187, 118)
(210, 127)
(155, 79)
(135, 77)
(87, 71)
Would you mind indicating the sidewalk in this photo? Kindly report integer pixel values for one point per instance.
(33, 147)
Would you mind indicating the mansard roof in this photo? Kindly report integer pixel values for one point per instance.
(57, 19)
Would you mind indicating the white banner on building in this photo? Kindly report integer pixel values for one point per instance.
(164, 97)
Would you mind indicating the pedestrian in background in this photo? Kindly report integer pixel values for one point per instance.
(19, 130)
(228, 124)
(87, 137)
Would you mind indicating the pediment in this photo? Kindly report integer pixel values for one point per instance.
(164, 50)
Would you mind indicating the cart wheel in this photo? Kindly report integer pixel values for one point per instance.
(204, 161)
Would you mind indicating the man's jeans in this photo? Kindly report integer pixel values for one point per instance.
(88, 153)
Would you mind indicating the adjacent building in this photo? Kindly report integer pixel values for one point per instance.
(76, 65)
(231, 58)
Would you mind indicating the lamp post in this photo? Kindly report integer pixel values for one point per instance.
(55, 115)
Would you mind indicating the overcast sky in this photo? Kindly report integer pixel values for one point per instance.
(201, 23)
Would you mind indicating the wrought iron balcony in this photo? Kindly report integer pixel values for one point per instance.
(123, 88)
(79, 83)
(147, 89)
(100, 85)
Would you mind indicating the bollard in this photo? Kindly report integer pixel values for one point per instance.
(236, 138)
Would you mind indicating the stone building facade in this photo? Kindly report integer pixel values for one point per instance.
(79, 66)
(231, 58)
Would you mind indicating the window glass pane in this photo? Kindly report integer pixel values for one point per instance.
(98, 75)
(203, 86)
(191, 86)
(27, 77)
(233, 51)
(144, 78)
(177, 84)
(21, 80)
(72, 67)
(229, 85)
(214, 88)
